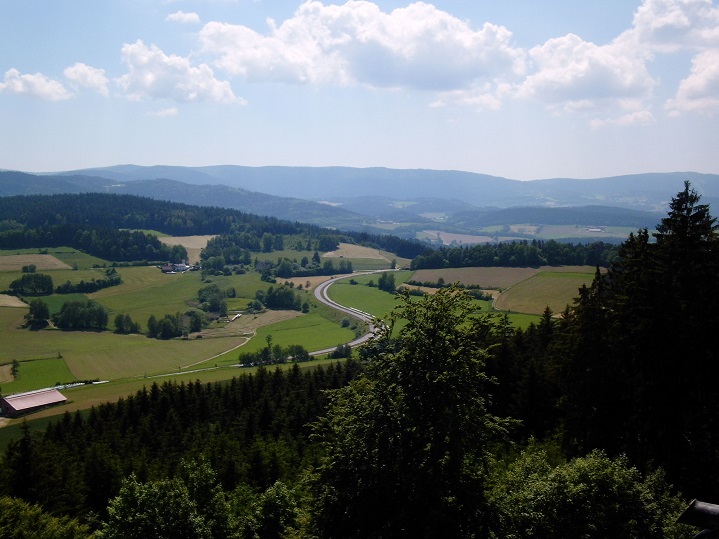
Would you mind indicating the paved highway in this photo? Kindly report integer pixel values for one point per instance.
(322, 296)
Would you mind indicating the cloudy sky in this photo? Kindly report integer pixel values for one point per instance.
(523, 89)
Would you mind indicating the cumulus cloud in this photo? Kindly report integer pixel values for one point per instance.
(156, 75)
(672, 25)
(33, 85)
(183, 17)
(418, 46)
(575, 74)
(88, 77)
(699, 92)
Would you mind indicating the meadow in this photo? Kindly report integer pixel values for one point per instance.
(128, 362)
(550, 289)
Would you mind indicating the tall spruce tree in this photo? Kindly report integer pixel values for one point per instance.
(641, 352)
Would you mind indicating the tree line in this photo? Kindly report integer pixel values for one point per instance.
(518, 254)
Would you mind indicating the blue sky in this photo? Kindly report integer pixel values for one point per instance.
(518, 88)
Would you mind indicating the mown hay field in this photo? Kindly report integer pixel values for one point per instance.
(11, 301)
(348, 250)
(551, 289)
(193, 244)
(490, 278)
(41, 262)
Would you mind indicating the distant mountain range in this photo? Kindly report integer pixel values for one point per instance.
(378, 199)
(651, 191)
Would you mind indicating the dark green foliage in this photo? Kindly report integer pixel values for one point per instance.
(191, 506)
(407, 444)
(275, 354)
(212, 298)
(125, 325)
(639, 358)
(592, 497)
(279, 297)
(252, 431)
(32, 284)
(81, 315)
(342, 350)
(168, 327)
(93, 285)
(21, 520)
(517, 254)
(386, 283)
(39, 312)
(30, 268)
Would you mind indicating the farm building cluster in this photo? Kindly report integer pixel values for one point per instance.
(179, 268)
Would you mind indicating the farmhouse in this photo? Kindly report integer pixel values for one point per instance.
(24, 403)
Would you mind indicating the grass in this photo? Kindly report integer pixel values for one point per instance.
(368, 299)
(547, 288)
(56, 301)
(38, 374)
(488, 278)
(132, 361)
(146, 291)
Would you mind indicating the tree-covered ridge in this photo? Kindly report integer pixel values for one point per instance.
(48, 221)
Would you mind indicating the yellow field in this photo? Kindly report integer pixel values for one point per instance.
(551, 289)
(348, 250)
(42, 262)
(193, 244)
(6, 373)
(314, 281)
(524, 290)
(11, 301)
(484, 277)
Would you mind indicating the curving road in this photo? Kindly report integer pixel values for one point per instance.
(323, 297)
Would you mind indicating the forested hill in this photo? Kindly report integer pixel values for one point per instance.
(283, 207)
(46, 221)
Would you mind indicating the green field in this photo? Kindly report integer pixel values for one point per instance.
(547, 288)
(379, 303)
(50, 356)
(40, 372)
(368, 299)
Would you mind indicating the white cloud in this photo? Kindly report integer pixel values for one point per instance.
(417, 46)
(575, 74)
(671, 25)
(699, 92)
(156, 75)
(88, 77)
(642, 117)
(480, 97)
(162, 113)
(183, 17)
(35, 85)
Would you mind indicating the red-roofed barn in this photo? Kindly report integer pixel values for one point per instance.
(24, 403)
